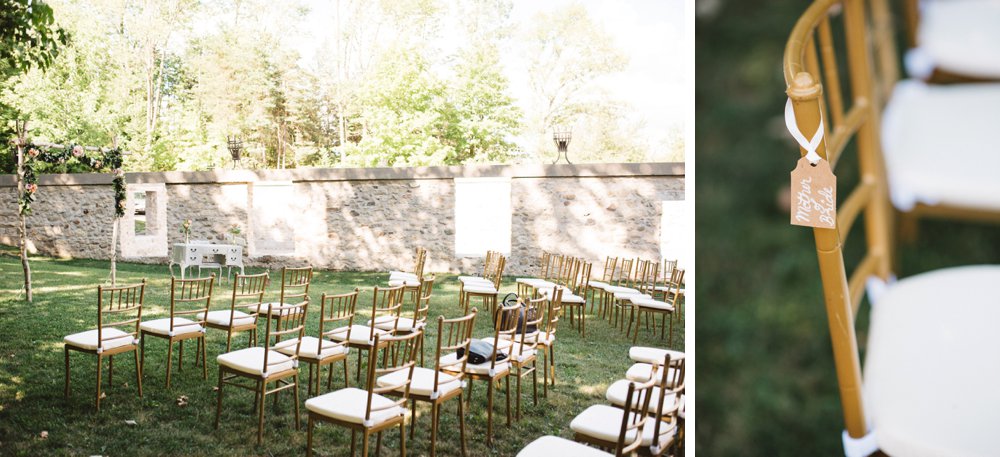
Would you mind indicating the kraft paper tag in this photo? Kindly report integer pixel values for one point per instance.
(814, 195)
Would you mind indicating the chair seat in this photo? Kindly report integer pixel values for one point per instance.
(567, 296)
(309, 347)
(182, 326)
(405, 324)
(471, 278)
(350, 404)
(640, 372)
(620, 290)
(542, 338)
(917, 347)
(480, 369)
(422, 383)
(604, 422)
(278, 309)
(513, 348)
(653, 355)
(402, 275)
(485, 288)
(251, 361)
(923, 120)
(221, 317)
(597, 284)
(618, 390)
(536, 282)
(404, 283)
(632, 296)
(113, 338)
(960, 36)
(647, 302)
(360, 334)
(551, 446)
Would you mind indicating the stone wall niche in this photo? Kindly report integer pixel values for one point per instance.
(144, 226)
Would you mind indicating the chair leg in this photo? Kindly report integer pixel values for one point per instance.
(204, 363)
(435, 411)
(218, 401)
(552, 360)
(180, 357)
(98, 401)
(309, 437)
(506, 395)
(260, 413)
(461, 423)
(111, 370)
(534, 381)
(545, 372)
(66, 387)
(518, 401)
(402, 440)
(489, 412)
(295, 395)
(138, 371)
(354, 439)
(170, 353)
(364, 443)
(583, 321)
(413, 421)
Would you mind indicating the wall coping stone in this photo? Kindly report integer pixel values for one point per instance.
(366, 174)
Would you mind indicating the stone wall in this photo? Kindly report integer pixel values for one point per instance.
(360, 219)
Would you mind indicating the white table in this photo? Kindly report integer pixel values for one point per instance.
(205, 254)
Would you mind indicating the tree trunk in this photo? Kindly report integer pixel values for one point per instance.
(23, 226)
(114, 249)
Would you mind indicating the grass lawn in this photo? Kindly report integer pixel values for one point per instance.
(31, 377)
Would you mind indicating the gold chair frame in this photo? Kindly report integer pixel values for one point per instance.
(341, 308)
(191, 291)
(244, 287)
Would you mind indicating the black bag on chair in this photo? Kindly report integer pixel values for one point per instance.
(511, 299)
(480, 352)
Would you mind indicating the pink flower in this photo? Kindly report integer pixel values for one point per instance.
(31, 188)
(77, 151)
(98, 164)
(119, 172)
(33, 152)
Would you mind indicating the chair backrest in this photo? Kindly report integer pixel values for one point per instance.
(675, 377)
(668, 269)
(423, 303)
(497, 273)
(505, 328)
(610, 265)
(624, 273)
(543, 266)
(553, 312)
(336, 316)
(530, 328)
(119, 307)
(583, 278)
(294, 324)
(190, 298)
(295, 284)
(637, 400)
(399, 353)
(814, 89)
(646, 282)
(452, 335)
(387, 303)
(248, 294)
(420, 260)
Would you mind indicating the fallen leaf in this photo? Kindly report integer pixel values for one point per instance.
(130, 422)
(44, 435)
(104, 395)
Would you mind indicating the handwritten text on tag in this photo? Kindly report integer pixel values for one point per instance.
(814, 195)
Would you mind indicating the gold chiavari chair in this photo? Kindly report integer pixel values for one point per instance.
(575, 299)
(642, 285)
(188, 297)
(522, 347)
(623, 279)
(387, 302)
(663, 409)
(671, 306)
(248, 294)
(607, 277)
(660, 291)
(336, 314)
(119, 313)
(486, 290)
(608, 427)
(294, 291)
(421, 307)
(909, 335)
(436, 386)
(411, 281)
(261, 366)
(371, 411)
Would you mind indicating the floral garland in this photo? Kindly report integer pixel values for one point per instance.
(110, 159)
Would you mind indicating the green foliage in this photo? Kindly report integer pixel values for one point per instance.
(110, 159)
(29, 36)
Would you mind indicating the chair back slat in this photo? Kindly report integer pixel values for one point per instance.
(399, 353)
(295, 284)
(811, 90)
(293, 324)
(190, 298)
(453, 335)
(387, 303)
(118, 301)
(337, 315)
(248, 295)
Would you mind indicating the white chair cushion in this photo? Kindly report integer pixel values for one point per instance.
(536, 282)
(646, 302)
(552, 446)
(485, 288)
(513, 348)
(471, 278)
(653, 355)
(567, 296)
(935, 334)
(221, 317)
(422, 383)
(481, 369)
(542, 338)
(404, 282)
(618, 390)
(632, 296)
(350, 404)
(604, 422)
(640, 372)
(620, 290)
(309, 346)
(597, 284)
(961, 36)
(279, 309)
(402, 275)
(182, 326)
(935, 141)
(251, 361)
(360, 334)
(405, 324)
(113, 338)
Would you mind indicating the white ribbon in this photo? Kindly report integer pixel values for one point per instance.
(860, 447)
(809, 145)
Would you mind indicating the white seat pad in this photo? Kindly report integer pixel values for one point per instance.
(620, 290)
(402, 275)
(567, 296)
(604, 422)
(360, 334)
(422, 382)
(113, 338)
(309, 347)
(632, 296)
(471, 278)
(542, 338)
(182, 326)
(552, 446)
(961, 36)
(405, 324)
(618, 390)
(935, 141)
(482, 368)
(935, 334)
(536, 282)
(597, 284)
(221, 317)
(653, 355)
(640, 372)
(485, 288)
(646, 302)
(513, 348)
(404, 282)
(349, 405)
(277, 309)
(251, 361)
